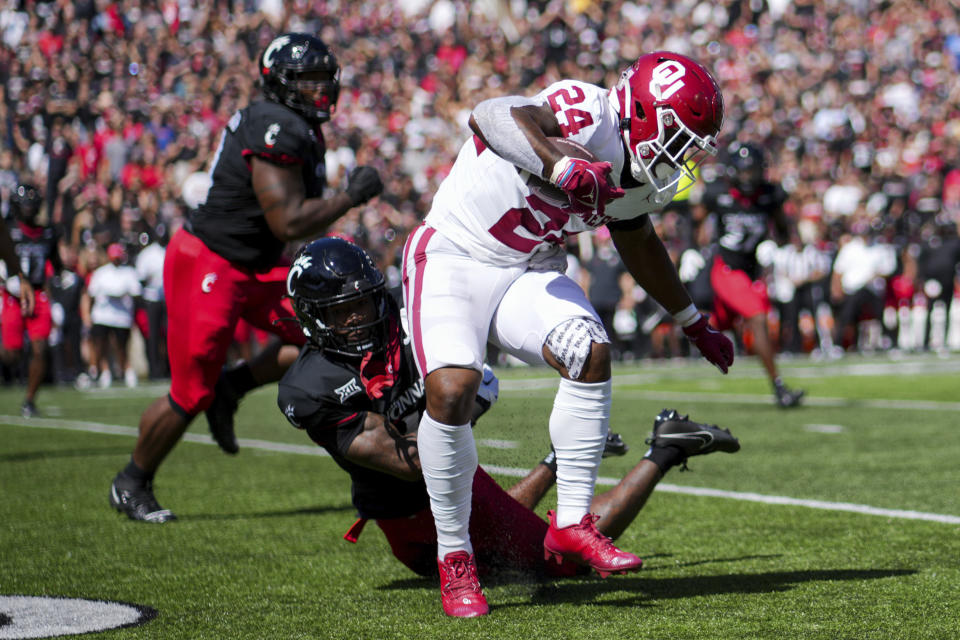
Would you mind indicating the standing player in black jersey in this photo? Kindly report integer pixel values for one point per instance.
(357, 393)
(26, 306)
(267, 184)
(744, 207)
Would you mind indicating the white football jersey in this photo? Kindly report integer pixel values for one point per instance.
(485, 206)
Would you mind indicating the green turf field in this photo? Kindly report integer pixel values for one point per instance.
(840, 519)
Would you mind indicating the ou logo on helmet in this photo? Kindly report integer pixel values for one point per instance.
(667, 79)
(271, 51)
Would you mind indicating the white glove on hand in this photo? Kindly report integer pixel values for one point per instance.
(13, 286)
(486, 395)
(489, 388)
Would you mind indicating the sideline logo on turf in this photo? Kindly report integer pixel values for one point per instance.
(44, 617)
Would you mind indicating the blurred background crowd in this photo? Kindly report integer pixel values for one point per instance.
(114, 110)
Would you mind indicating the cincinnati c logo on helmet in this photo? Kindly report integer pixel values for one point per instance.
(301, 264)
(271, 51)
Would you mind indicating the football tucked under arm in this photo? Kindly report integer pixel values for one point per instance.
(578, 181)
(548, 190)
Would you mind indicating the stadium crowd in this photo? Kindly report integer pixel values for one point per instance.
(113, 110)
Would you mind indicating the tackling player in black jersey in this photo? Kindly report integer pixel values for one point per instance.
(356, 392)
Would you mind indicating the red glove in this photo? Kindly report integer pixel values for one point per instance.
(713, 345)
(587, 184)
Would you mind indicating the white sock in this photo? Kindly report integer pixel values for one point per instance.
(578, 428)
(448, 457)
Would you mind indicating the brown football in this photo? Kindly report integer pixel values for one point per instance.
(551, 192)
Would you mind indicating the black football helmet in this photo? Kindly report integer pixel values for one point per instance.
(25, 203)
(325, 277)
(745, 164)
(283, 63)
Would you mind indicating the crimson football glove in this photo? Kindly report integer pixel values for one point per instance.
(713, 345)
(586, 183)
(363, 183)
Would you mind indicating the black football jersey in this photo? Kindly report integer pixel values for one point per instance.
(34, 247)
(230, 222)
(327, 398)
(743, 221)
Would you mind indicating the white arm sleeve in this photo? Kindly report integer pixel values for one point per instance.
(503, 135)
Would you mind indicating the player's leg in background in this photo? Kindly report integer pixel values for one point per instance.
(11, 328)
(35, 374)
(200, 333)
(619, 506)
(673, 440)
(269, 310)
(738, 295)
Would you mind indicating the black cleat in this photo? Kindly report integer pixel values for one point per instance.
(29, 410)
(614, 446)
(786, 397)
(138, 503)
(220, 415)
(670, 429)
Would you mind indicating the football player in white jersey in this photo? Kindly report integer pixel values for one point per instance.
(487, 265)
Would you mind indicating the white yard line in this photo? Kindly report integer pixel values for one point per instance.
(549, 384)
(651, 371)
(96, 427)
(490, 443)
(757, 497)
(117, 430)
(824, 428)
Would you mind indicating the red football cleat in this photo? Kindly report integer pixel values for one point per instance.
(459, 586)
(583, 543)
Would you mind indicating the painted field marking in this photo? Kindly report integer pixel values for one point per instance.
(550, 385)
(491, 443)
(824, 428)
(280, 447)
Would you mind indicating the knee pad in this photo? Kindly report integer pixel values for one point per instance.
(570, 343)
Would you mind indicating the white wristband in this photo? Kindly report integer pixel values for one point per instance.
(559, 168)
(687, 317)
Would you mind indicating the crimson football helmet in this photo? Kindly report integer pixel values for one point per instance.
(291, 56)
(671, 110)
(339, 297)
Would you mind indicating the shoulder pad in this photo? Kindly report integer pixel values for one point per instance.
(580, 107)
(275, 133)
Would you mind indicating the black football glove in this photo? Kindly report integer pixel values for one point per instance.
(363, 183)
